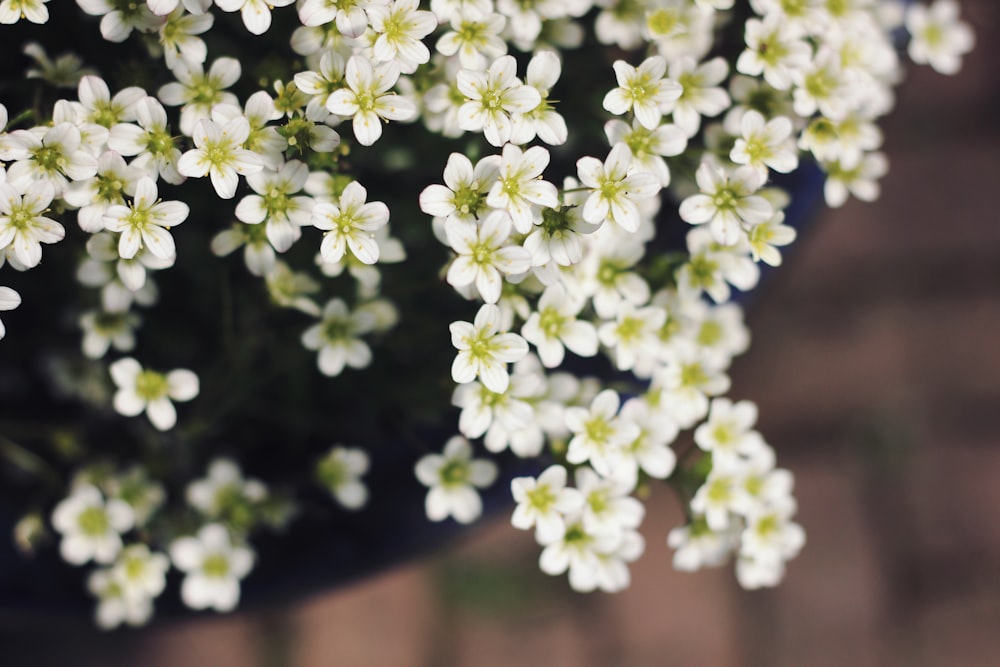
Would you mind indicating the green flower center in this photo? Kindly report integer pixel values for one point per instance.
(150, 385)
(693, 375)
(93, 522)
(454, 473)
(215, 565)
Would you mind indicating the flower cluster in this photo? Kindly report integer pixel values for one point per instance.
(583, 337)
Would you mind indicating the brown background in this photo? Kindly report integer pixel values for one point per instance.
(876, 366)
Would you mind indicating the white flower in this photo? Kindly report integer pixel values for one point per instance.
(220, 154)
(151, 142)
(256, 13)
(484, 351)
(633, 335)
(729, 430)
(146, 390)
(367, 98)
(519, 184)
(768, 236)
(764, 144)
(543, 502)
(615, 188)
(726, 202)
(119, 18)
(289, 288)
(11, 11)
(770, 534)
(463, 197)
(651, 450)
(607, 507)
(701, 94)
(712, 268)
(91, 527)
(144, 222)
(9, 300)
(23, 228)
(114, 179)
(274, 205)
(553, 325)
(113, 606)
(453, 477)
(352, 224)
(643, 90)
(141, 574)
(474, 37)
(648, 146)
(543, 72)
(505, 419)
(717, 497)
(177, 37)
(197, 92)
(698, 545)
(493, 96)
(483, 254)
(938, 37)
(579, 551)
(98, 106)
(337, 337)
(214, 567)
(822, 86)
(775, 48)
(102, 329)
(598, 433)
(859, 179)
(688, 378)
(399, 26)
(53, 154)
(340, 471)
(225, 493)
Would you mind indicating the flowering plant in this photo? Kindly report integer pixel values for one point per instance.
(572, 190)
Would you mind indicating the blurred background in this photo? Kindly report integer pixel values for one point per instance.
(876, 365)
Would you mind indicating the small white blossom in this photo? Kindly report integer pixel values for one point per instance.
(367, 99)
(599, 434)
(399, 26)
(643, 90)
(453, 477)
(494, 95)
(91, 526)
(484, 351)
(338, 338)
(543, 503)
(219, 153)
(23, 227)
(615, 188)
(519, 185)
(463, 196)
(350, 224)
(145, 221)
(223, 490)
(727, 202)
(340, 471)
(554, 326)
(764, 144)
(12, 11)
(214, 567)
(197, 92)
(484, 254)
(146, 390)
(938, 37)
(274, 204)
